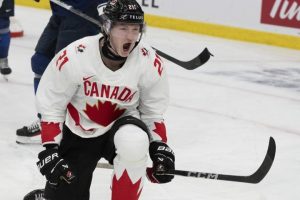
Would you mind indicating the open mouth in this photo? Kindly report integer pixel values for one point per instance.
(126, 46)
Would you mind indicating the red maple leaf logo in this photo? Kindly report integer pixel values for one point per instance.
(160, 129)
(49, 131)
(124, 188)
(103, 113)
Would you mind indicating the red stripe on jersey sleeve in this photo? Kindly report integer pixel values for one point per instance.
(74, 114)
(160, 129)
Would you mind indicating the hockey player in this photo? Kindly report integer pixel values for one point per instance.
(63, 28)
(104, 96)
(6, 10)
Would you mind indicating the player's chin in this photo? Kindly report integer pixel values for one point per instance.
(124, 54)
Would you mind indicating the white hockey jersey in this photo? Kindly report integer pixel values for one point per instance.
(78, 89)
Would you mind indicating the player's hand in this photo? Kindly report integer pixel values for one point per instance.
(163, 159)
(54, 167)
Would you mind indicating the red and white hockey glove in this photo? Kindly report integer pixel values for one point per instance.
(163, 159)
(54, 167)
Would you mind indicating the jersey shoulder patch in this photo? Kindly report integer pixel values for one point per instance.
(82, 45)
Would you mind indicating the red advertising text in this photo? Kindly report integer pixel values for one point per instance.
(281, 13)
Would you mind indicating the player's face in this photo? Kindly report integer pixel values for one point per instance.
(123, 37)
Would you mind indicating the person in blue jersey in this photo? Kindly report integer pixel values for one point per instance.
(62, 29)
(6, 11)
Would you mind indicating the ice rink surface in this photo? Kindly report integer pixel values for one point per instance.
(220, 117)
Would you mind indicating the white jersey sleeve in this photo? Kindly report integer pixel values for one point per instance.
(56, 88)
(154, 95)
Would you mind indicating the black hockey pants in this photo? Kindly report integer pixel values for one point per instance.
(82, 155)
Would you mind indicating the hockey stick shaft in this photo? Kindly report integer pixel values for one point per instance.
(256, 177)
(199, 60)
(76, 12)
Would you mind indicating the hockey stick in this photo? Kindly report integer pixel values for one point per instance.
(256, 177)
(196, 62)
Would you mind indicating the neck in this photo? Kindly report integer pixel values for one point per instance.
(110, 59)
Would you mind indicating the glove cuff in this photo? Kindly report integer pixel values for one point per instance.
(150, 175)
(51, 146)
